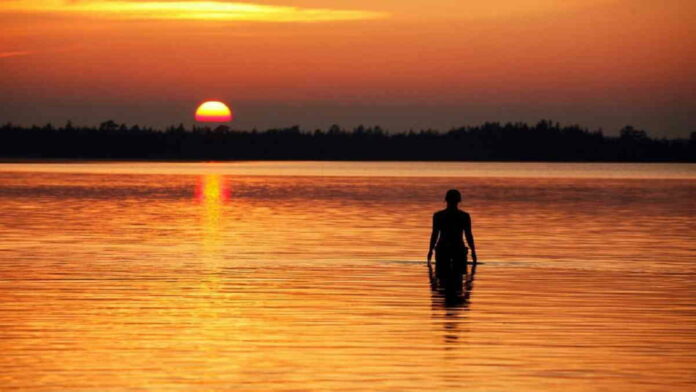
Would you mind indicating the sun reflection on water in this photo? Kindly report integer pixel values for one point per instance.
(212, 192)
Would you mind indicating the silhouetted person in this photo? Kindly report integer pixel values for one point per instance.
(449, 227)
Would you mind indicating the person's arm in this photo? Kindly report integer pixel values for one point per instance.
(433, 239)
(470, 238)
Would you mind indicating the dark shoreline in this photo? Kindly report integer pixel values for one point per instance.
(490, 142)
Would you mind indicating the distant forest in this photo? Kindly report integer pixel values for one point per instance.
(544, 141)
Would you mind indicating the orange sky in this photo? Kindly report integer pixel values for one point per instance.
(399, 63)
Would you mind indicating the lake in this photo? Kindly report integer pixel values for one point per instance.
(310, 276)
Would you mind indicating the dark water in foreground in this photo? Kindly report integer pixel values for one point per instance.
(309, 276)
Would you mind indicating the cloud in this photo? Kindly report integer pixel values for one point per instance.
(188, 10)
(15, 53)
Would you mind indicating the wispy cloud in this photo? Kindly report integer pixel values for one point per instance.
(188, 10)
(15, 53)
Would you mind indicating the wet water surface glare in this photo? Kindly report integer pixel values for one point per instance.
(310, 276)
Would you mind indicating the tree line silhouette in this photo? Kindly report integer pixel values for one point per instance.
(544, 141)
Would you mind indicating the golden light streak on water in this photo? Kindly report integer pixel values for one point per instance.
(212, 192)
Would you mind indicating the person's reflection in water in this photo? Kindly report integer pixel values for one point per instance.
(450, 299)
(454, 292)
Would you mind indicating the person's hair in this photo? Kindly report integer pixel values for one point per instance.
(453, 196)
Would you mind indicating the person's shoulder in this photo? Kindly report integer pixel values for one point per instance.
(464, 214)
(439, 213)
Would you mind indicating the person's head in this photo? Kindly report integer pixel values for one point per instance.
(453, 197)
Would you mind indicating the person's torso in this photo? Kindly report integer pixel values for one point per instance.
(451, 224)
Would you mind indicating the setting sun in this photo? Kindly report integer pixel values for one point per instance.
(213, 111)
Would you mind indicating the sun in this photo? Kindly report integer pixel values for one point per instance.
(213, 111)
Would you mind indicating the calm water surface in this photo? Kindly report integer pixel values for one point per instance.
(295, 276)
